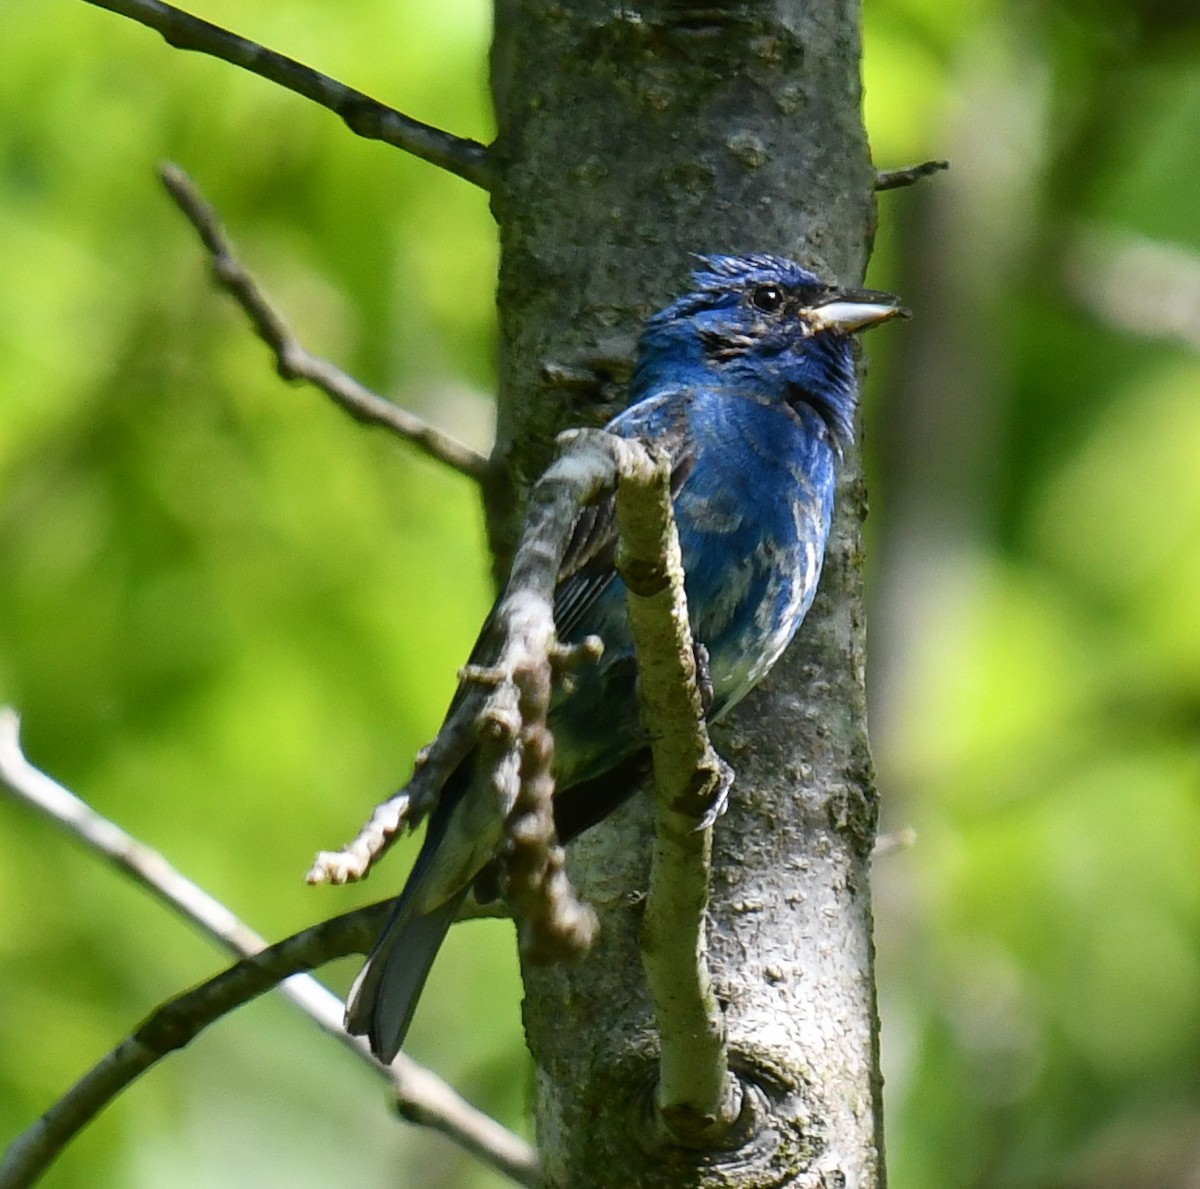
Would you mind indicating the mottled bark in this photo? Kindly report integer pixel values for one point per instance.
(629, 138)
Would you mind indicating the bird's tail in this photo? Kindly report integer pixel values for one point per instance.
(384, 996)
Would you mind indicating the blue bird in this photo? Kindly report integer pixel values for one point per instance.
(748, 383)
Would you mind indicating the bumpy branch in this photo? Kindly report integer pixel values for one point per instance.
(363, 115)
(697, 1100)
(500, 711)
(292, 360)
(180, 1020)
(422, 1097)
(501, 708)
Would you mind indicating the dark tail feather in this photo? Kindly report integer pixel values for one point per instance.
(385, 994)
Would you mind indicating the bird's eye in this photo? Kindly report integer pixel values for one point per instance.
(767, 298)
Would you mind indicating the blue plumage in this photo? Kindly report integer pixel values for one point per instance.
(748, 382)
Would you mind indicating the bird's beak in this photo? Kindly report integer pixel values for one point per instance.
(851, 310)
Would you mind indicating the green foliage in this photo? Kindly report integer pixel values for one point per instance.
(1038, 623)
(229, 616)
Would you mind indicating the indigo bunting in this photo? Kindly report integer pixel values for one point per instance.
(748, 383)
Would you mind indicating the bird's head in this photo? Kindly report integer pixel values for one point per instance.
(767, 326)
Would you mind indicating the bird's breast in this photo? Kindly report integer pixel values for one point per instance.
(753, 519)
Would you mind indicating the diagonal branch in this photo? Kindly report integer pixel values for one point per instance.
(180, 1020)
(697, 1100)
(501, 711)
(421, 1096)
(363, 115)
(141, 863)
(171, 1026)
(292, 360)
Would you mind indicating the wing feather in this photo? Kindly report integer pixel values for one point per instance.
(589, 564)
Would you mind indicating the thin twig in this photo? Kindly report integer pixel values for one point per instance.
(496, 714)
(364, 116)
(697, 1099)
(894, 179)
(500, 710)
(354, 860)
(173, 1024)
(292, 360)
(141, 863)
(421, 1095)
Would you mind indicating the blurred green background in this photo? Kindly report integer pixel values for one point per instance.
(229, 616)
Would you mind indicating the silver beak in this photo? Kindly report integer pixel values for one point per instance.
(851, 310)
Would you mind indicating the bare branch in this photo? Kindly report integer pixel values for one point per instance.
(501, 711)
(141, 863)
(552, 924)
(697, 1099)
(353, 861)
(364, 116)
(292, 360)
(894, 179)
(421, 1096)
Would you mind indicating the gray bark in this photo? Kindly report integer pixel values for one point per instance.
(627, 140)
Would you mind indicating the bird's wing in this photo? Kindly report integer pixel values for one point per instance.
(589, 563)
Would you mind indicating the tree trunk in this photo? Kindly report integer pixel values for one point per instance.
(627, 140)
